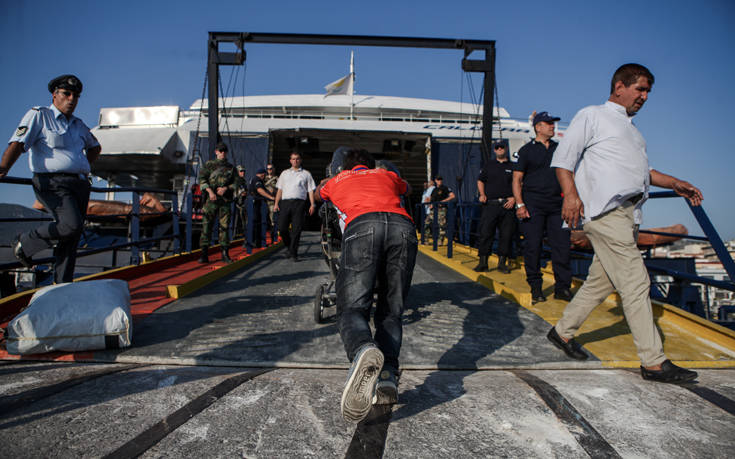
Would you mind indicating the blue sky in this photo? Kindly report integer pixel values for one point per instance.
(555, 56)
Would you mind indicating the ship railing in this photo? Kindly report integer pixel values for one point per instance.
(462, 224)
(135, 241)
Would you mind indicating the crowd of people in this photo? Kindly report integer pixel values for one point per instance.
(596, 178)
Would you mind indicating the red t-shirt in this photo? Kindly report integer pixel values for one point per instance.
(361, 190)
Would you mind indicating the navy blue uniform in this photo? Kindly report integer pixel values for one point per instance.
(542, 196)
(497, 177)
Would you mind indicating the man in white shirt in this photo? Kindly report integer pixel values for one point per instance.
(603, 171)
(294, 186)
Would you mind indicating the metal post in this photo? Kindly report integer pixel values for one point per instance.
(451, 217)
(175, 215)
(714, 240)
(189, 217)
(213, 97)
(135, 230)
(488, 103)
(250, 225)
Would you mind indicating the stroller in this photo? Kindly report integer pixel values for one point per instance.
(331, 237)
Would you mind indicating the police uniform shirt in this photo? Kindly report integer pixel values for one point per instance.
(55, 143)
(256, 183)
(540, 186)
(498, 179)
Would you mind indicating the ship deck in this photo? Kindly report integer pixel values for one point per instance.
(228, 361)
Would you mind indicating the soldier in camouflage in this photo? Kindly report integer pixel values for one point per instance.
(441, 195)
(270, 180)
(241, 194)
(217, 180)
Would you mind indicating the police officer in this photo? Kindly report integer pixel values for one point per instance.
(497, 201)
(241, 194)
(441, 195)
(217, 180)
(261, 196)
(61, 150)
(538, 207)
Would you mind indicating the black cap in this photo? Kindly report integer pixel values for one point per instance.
(260, 171)
(69, 82)
(498, 145)
(544, 116)
(438, 177)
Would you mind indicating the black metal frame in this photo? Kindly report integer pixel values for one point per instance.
(217, 58)
(134, 225)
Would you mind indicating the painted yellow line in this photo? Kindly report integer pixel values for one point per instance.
(181, 290)
(688, 338)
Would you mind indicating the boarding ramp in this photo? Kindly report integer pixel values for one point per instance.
(237, 366)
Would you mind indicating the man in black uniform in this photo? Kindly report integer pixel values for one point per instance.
(260, 196)
(538, 206)
(496, 198)
(241, 194)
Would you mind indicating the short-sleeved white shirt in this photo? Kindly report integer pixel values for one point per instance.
(608, 156)
(54, 143)
(295, 184)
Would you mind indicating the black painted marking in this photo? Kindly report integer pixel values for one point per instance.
(157, 432)
(586, 435)
(10, 403)
(713, 397)
(368, 441)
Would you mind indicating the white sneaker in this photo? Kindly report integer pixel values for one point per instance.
(360, 387)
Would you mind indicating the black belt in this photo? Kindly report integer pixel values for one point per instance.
(496, 200)
(67, 174)
(635, 198)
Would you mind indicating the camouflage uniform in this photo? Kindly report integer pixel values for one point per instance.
(440, 193)
(270, 185)
(241, 193)
(214, 174)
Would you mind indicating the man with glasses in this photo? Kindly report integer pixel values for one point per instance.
(294, 186)
(61, 149)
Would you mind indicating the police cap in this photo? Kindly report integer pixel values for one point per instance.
(69, 82)
(240, 168)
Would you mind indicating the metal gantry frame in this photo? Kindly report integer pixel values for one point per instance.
(216, 58)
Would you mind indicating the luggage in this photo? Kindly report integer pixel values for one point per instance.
(78, 316)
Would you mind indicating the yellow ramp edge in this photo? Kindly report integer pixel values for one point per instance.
(689, 340)
(187, 288)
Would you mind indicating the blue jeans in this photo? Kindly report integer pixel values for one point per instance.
(378, 254)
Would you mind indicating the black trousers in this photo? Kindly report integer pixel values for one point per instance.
(533, 228)
(66, 197)
(495, 217)
(293, 212)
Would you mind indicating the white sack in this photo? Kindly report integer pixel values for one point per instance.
(78, 316)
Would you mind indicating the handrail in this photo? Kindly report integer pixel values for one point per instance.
(133, 221)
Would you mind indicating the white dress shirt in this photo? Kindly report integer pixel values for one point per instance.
(608, 156)
(295, 184)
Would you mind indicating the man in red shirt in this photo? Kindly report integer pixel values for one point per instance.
(379, 248)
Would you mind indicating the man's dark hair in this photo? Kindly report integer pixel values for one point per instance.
(629, 74)
(357, 156)
(221, 147)
(297, 153)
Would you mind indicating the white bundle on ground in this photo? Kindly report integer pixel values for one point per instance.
(79, 316)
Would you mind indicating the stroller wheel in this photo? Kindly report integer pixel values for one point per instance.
(319, 304)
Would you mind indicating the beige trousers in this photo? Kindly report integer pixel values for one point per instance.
(617, 265)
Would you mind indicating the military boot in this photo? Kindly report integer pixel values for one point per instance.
(503, 265)
(203, 258)
(482, 265)
(226, 255)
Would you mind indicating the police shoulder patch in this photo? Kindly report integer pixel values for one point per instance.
(21, 130)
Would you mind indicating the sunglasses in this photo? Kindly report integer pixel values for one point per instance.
(67, 93)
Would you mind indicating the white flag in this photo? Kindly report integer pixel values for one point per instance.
(342, 86)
